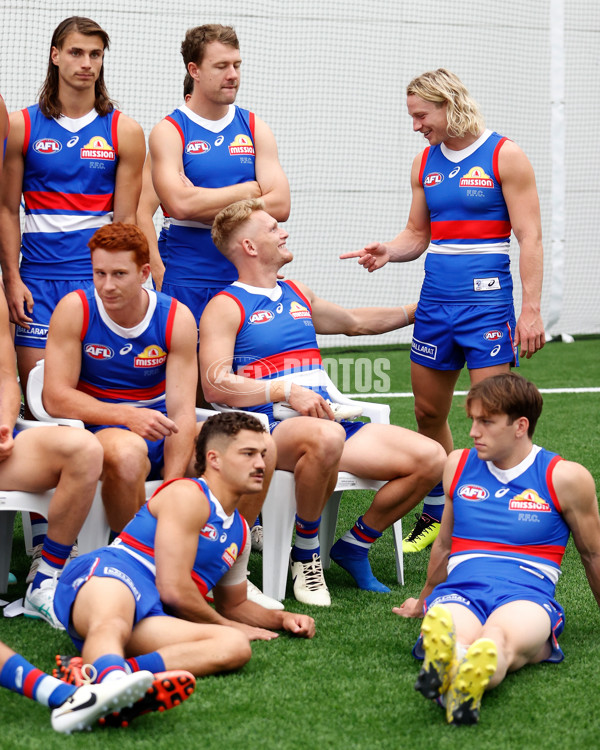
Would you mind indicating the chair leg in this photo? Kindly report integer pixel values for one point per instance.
(328, 525)
(7, 520)
(397, 529)
(27, 530)
(278, 513)
(95, 531)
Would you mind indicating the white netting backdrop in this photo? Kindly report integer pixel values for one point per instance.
(329, 78)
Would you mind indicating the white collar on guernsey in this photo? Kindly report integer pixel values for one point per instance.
(73, 125)
(137, 330)
(215, 126)
(273, 293)
(507, 475)
(219, 510)
(456, 156)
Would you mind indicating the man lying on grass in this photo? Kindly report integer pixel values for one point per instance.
(489, 595)
(144, 596)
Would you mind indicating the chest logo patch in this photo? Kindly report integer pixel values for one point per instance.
(152, 356)
(261, 316)
(47, 146)
(433, 179)
(99, 351)
(209, 532)
(241, 146)
(230, 554)
(476, 177)
(298, 311)
(98, 148)
(474, 493)
(529, 500)
(197, 147)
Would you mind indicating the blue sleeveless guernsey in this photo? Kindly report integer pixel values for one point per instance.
(68, 191)
(126, 364)
(215, 154)
(467, 261)
(220, 542)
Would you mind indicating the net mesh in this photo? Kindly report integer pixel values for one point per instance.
(329, 79)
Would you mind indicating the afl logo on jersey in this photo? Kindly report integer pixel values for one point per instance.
(47, 146)
(433, 179)
(197, 147)
(261, 316)
(99, 351)
(473, 493)
(209, 532)
(493, 335)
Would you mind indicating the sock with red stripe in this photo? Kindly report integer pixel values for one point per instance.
(53, 560)
(351, 552)
(153, 662)
(109, 666)
(307, 539)
(21, 677)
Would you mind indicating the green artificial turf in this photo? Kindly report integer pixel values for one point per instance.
(352, 686)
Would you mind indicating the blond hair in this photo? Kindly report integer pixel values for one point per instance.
(443, 87)
(230, 219)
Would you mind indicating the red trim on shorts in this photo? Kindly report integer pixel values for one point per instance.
(179, 130)
(459, 468)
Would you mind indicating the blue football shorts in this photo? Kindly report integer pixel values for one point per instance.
(483, 584)
(106, 562)
(194, 297)
(156, 449)
(46, 295)
(447, 336)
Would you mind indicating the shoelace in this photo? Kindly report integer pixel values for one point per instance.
(420, 527)
(313, 574)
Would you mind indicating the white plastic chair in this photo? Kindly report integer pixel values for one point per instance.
(279, 509)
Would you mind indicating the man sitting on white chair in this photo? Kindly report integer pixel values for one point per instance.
(37, 460)
(255, 337)
(122, 358)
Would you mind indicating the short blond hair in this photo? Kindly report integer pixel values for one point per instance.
(443, 87)
(230, 219)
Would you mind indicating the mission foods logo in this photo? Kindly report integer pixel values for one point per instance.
(152, 356)
(98, 148)
(241, 146)
(529, 500)
(476, 177)
(230, 554)
(298, 311)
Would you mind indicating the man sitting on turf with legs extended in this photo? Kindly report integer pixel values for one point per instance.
(144, 596)
(489, 595)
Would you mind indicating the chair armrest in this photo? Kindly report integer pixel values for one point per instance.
(27, 424)
(259, 415)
